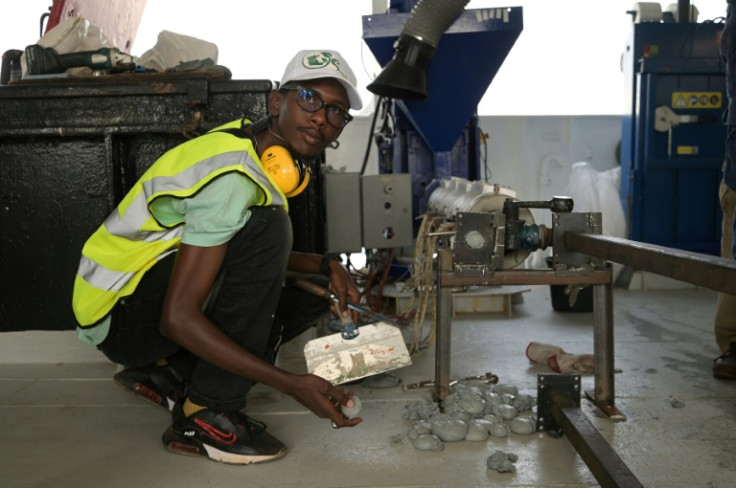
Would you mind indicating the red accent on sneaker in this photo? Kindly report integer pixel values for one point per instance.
(148, 393)
(185, 449)
(216, 434)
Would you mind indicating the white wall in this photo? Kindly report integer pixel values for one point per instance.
(531, 154)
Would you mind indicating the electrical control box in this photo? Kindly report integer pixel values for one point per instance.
(387, 211)
(368, 211)
(343, 212)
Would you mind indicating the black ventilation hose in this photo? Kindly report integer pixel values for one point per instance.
(429, 19)
(404, 77)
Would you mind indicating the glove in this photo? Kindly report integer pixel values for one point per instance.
(558, 360)
(539, 353)
(572, 363)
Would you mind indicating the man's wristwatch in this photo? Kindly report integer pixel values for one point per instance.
(324, 265)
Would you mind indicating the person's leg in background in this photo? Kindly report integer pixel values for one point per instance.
(724, 366)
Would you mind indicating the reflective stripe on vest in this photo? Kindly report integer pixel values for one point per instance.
(131, 240)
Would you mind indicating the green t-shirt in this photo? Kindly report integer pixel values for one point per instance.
(211, 217)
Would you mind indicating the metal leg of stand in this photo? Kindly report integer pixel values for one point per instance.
(604, 395)
(444, 329)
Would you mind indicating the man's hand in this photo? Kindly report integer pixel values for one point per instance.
(324, 399)
(344, 287)
(341, 282)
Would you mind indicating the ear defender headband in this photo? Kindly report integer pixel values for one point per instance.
(289, 173)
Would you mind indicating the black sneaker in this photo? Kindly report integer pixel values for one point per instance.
(231, 438)
(160, 385)
(724, 366)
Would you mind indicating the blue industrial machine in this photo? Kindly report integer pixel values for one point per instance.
(672, 142)
(439, 137)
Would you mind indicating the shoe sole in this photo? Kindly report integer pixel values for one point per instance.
(725, 375)
(180, 444)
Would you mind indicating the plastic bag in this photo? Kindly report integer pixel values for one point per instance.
(173, 49)
(594, 191)
(74, 34)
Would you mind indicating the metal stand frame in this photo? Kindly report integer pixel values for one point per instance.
(559, 412)
(601, 280)
(559, 402)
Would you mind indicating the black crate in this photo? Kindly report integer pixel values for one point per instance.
(71, 148)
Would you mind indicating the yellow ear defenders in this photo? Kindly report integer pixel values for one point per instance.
(291, 175)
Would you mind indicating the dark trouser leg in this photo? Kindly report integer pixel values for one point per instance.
(244, 307)
(134, 339)
(297, 311)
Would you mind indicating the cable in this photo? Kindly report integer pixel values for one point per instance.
(484, 139)
(370, 136)
(422, 283)
(384, 278)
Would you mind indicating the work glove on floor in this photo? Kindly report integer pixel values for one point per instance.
(558, 360)
(572, 363)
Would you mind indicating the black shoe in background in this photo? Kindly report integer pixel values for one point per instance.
(724, 366)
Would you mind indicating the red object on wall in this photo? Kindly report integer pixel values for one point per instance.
(118, 20)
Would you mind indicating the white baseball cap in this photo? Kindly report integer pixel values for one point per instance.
(324, 63)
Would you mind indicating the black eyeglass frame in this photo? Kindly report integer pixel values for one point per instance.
(327, 106)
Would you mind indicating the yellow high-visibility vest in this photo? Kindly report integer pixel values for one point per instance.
(131, 241)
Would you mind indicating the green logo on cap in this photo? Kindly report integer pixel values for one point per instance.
(319, 60)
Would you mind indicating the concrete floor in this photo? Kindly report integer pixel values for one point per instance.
(65, 424)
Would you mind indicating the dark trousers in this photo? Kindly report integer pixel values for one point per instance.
(252, 302)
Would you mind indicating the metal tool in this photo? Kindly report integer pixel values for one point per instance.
(365, 310)
(379, 347)
(45, 60)
(349, 329)
(487, 378)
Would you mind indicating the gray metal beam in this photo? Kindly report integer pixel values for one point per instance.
(704, 270)
(607, 467)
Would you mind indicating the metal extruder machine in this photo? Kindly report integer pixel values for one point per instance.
(474, 233)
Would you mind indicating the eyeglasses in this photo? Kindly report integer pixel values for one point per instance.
(311, 102)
